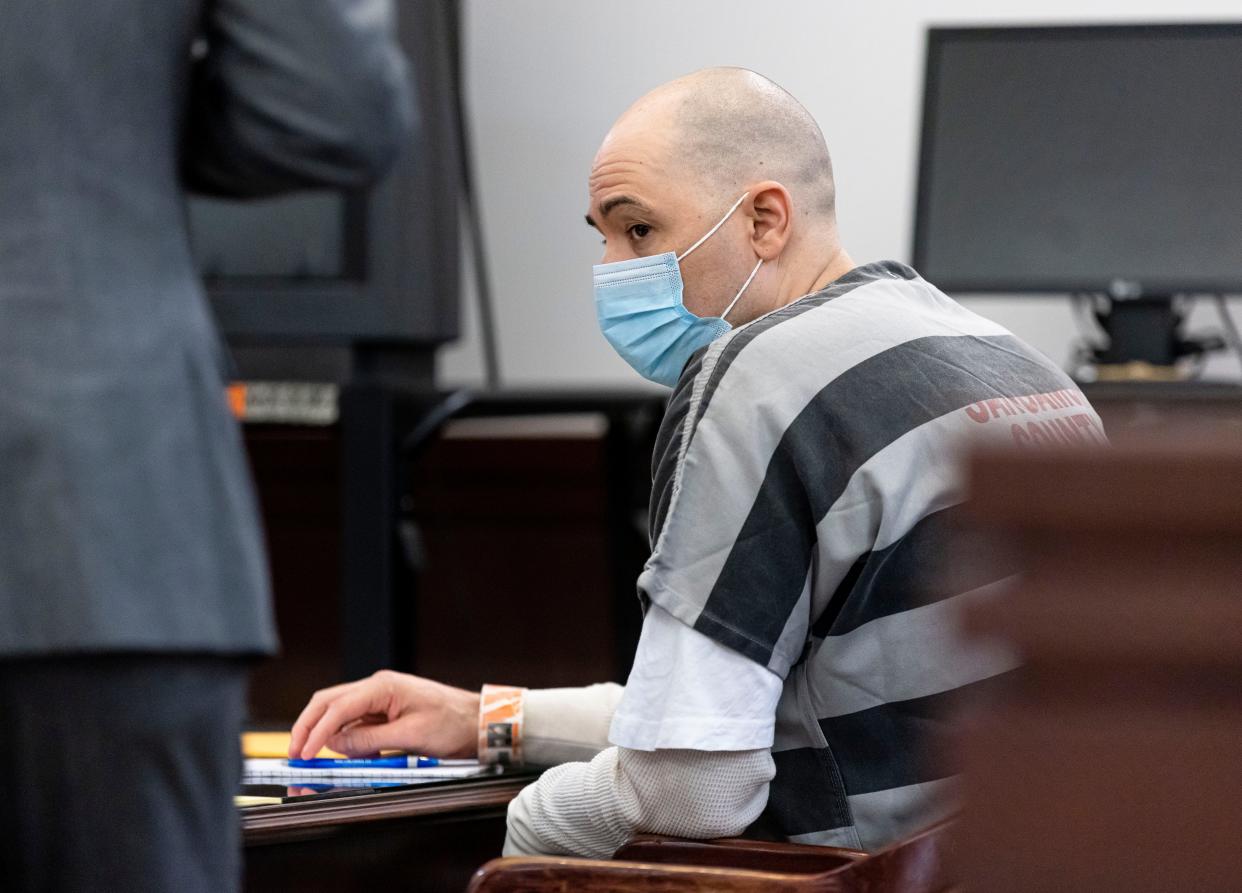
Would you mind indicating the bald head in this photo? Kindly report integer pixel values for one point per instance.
(728, 127)
(672, 167)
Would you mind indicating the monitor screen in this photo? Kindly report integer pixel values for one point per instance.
(1082, 158)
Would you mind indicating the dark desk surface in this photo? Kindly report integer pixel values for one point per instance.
(427, 837)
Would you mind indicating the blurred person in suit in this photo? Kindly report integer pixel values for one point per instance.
(133, 587)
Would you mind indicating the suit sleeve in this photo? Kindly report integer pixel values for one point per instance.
(295, 94)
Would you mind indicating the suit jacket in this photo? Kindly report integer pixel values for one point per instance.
(127, 520)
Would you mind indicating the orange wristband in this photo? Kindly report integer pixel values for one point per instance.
(500, 724)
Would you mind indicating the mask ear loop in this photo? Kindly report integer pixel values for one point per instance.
(711, 232)
(745, 285)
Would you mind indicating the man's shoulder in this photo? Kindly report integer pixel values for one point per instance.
(862, 303)
(871, 342)
(804, 345)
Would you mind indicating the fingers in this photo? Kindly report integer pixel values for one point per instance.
(310, 715)
(369, 738)
(339, 709)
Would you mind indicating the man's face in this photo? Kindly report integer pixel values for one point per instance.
(645, 201)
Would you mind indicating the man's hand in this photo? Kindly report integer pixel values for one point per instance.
(389, 711)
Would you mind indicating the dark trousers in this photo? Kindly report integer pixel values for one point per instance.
(117, 773)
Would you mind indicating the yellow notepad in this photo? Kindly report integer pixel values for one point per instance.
(275, 745)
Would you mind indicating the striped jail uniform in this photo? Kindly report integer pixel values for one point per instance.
(806, 486)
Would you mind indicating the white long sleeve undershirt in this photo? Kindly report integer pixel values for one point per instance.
(567, 724)
(592, 809)
(697, 719)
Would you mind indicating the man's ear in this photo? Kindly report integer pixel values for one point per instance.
(771, 211)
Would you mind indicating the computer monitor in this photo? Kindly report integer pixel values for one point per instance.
(1082, 159)
(331, 270)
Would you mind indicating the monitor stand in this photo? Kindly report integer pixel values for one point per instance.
(1144, 330)
(1146, 340)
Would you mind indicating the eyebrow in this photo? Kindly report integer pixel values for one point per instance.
(615, 202)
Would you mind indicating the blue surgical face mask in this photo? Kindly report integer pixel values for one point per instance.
(641, 313)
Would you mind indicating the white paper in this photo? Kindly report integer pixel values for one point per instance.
(258, 770)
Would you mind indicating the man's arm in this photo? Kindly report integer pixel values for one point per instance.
(399, 711)
(698, 762)
(694, 727)
(295, 93)
(568, 724)
(592, 809)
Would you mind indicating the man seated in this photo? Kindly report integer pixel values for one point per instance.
(797, 652)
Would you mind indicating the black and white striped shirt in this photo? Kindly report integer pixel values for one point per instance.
(806, 483)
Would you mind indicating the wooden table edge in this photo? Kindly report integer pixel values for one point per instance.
(262, 823)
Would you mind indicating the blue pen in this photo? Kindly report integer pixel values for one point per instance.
(393, 762)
